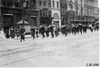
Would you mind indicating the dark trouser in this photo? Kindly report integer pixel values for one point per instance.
(37, 34)
(91, 30)
(56, 33)
(17, 35)
(33, 35)
(42, 34)
(66, 33)
(52, 34)
(47, 33)
(22, 37)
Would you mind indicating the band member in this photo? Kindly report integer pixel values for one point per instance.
(42, 30)
(47, 31)
(56, 29)
(37, 31)
(33, 32)
(17, 32)
(51, 28)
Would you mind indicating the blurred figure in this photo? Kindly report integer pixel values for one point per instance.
(7, 33)
(37, 31)
(51, 28)
(33, 32)
(47, 31)
(42, 30)
(56, 30)
(12, 32)
(22, 33)
(17, 32)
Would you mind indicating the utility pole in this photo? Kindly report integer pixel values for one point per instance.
(23, 13)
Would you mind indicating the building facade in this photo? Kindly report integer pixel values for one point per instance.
(79, 11)
(96, 9)
(45, 16)
(38, 12)
(55, 12)
(91, 10)
(72, 11)
(13, 11)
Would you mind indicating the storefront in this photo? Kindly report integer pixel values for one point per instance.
(46, 20)
(10, 16)
(89, 19)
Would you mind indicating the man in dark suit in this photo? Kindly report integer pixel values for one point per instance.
(42, 31)
(33, 32)
(22, 33)
(51, 29)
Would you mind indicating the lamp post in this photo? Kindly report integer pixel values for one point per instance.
(24, 6)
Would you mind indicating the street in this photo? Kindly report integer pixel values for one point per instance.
(70, 51)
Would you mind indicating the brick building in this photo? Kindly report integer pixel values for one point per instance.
(44, 7)
(72, 11)
(79, 11)
(13, 11)
(55, 12)
(96, 9)
(91, 10)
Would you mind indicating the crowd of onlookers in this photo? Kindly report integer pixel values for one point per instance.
(50, 30)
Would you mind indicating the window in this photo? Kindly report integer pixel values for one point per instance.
(40, 2)
(49, 3)
(41, 13)
(44, 2)
(4, 3)
(12, 3)
(53, 4)
(57, 4)
(71, 7)
(81, 2)
(81, 11)
(76, 9)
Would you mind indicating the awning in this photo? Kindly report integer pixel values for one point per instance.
(21, 22)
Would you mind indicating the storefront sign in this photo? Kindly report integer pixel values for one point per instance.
(11, 11)
(35, 13)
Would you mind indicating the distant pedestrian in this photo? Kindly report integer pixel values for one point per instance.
(22, 33)
(12, 32)
(17, 32)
